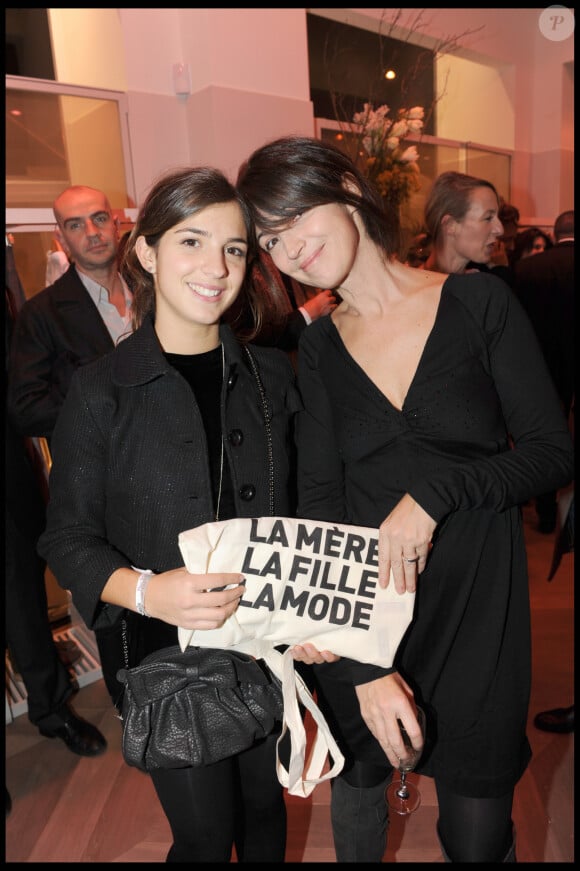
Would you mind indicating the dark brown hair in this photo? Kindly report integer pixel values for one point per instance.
(290, 175)
(524, 241)
(172, 199)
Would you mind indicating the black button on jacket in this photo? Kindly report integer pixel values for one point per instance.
(130, 466)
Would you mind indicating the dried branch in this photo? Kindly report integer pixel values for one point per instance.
(374, 137)
(391, 24)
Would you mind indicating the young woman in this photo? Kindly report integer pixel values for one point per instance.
(428, 413)
(165, 433)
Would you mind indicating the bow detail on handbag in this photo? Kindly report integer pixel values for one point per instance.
(196, 707)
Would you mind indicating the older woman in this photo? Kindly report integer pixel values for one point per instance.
(429, 414)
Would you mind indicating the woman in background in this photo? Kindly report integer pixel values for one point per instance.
(462, 218)
(529, 242)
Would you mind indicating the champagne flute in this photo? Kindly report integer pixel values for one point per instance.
(404, 797)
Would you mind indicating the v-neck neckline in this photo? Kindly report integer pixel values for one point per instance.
(370, 381)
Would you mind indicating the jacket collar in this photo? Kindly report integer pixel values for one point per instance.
(139, 358)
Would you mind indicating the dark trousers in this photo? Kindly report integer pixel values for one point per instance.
(28, 632)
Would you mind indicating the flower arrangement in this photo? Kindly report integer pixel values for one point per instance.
(391, 166)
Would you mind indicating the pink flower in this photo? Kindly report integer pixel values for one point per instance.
(390, 165)
(409, 155)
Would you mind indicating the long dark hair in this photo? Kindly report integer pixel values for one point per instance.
(172, 199)
(524, 242)
(286, 177)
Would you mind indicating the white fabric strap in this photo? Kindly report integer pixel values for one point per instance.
(301, 777)
(284, 561)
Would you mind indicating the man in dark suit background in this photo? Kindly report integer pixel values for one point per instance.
(72, 322)
(28, 633)
(545, 286)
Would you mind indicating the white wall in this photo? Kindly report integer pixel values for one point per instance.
(488, 121)
(524, 97)
(249, 80)
(88, 47)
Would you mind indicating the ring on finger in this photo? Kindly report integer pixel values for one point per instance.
(415, 560)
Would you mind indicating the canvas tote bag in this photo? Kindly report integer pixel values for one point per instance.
(305, 581)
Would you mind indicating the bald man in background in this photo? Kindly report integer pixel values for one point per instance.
(75, 320)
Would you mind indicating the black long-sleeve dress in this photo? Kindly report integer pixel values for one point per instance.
(480, 432)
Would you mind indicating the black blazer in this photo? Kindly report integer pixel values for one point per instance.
(56, 331)
(544, 284)
(130, 461)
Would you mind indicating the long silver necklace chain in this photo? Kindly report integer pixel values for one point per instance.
(219, 495)
(267, 426)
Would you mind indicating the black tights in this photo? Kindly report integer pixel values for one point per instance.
(237, 801)
(470, 829)
(474, 829)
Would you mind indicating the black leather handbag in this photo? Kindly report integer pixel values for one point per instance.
(196, 707)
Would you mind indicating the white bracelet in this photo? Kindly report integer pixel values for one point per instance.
(142, 582)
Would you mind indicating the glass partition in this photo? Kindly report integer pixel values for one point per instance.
(435, 156)
(56, 136)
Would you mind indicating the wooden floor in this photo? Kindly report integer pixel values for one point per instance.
(72, 809)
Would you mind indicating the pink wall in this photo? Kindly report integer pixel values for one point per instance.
(543, 98)
(249, 78)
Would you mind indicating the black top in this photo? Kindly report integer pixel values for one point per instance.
(131, 467)
(480, 383)
(500, 271)
(545, 287)
(204, 374)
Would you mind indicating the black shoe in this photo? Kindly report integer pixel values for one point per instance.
(79, 736)
(559, 720)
